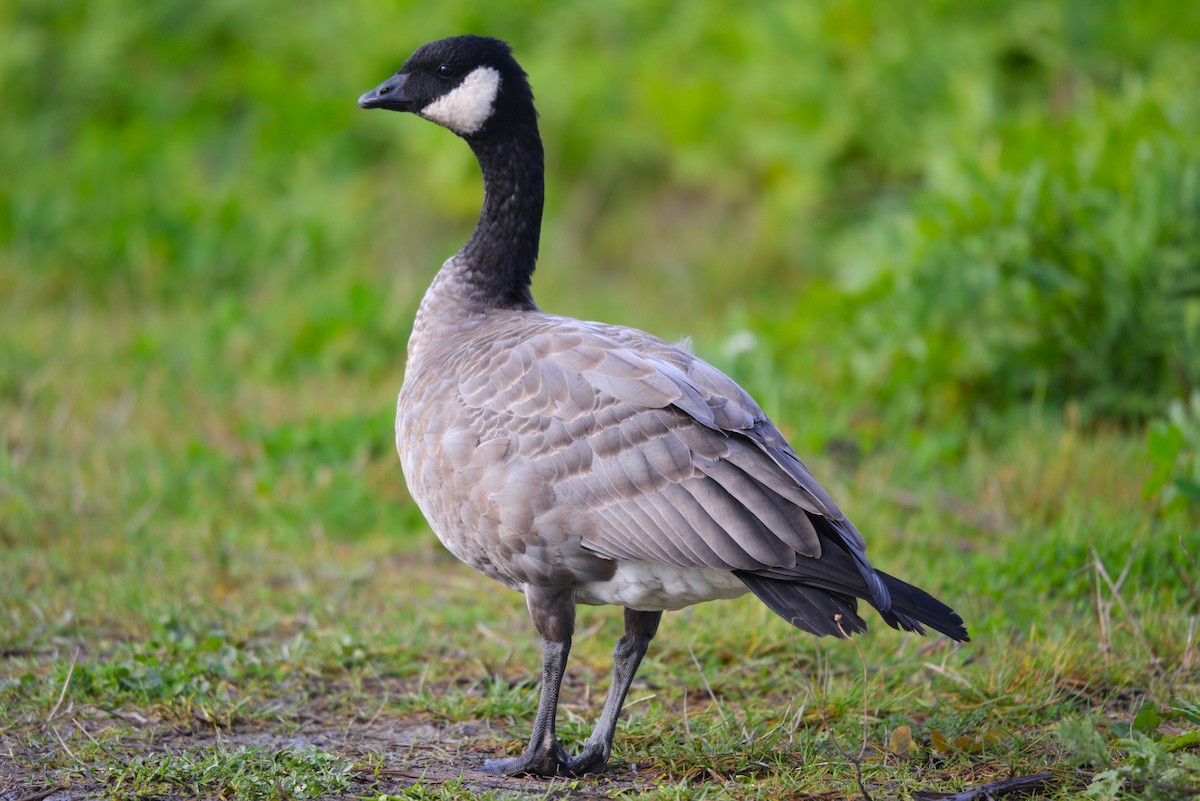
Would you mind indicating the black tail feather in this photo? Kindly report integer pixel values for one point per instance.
(912, 606)
(814, 610)
(823, 611)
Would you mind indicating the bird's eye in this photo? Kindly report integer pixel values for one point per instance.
(446, 71)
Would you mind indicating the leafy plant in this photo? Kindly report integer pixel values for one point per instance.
(1150, 766)
(1173, 445)
(1064, 284)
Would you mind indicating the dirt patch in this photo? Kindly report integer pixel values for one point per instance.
(70, 759)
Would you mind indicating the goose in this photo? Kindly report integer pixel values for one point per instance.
(584, 463)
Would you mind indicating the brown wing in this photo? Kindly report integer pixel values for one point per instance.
(670, 458)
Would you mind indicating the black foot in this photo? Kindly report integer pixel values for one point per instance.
(590, 760)
(534, 762)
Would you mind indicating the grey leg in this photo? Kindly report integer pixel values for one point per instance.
(543, 756)
(640, 628)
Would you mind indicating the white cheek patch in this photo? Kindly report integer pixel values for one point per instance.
(467, 107)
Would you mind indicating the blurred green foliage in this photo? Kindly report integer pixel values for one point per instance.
(935, 210)
(1061, 261)
(1173, 445)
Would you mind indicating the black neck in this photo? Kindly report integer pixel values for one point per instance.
(499, 259)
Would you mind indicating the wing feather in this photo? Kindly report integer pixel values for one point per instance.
(783, 518)
(669, 457)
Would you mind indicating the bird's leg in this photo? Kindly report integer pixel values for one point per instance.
(640, 628)
(543, 755)
(553, 614)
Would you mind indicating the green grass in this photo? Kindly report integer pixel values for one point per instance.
(237, 773)
(951, 249)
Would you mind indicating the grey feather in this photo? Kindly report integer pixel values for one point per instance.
(601, 419)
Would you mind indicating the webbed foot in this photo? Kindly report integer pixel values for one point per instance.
(552, 760)
(593, 759)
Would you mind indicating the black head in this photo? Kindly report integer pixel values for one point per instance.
(461, 83)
